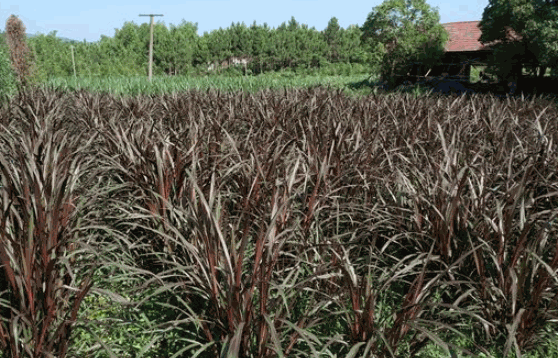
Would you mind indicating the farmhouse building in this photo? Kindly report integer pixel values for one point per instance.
(231, 61)
(462, 50)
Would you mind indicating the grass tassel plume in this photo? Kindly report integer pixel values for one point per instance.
(20, 54)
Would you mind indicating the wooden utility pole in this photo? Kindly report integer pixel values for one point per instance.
(73, 61)
(150, 44)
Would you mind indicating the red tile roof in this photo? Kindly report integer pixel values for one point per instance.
(465, 36)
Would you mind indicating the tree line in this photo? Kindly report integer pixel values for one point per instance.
(395, 35)
(179, 50)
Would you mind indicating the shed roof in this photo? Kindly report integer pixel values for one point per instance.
(465, 36)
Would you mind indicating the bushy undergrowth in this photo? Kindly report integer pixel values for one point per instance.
(286, 223)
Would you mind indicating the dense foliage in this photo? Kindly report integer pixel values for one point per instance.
(7, 76)
(282, 223)
(405, 32)
(179, 50)
(524, 33)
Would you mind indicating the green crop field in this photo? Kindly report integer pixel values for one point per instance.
(167, 84)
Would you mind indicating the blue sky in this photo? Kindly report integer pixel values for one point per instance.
(88, 20)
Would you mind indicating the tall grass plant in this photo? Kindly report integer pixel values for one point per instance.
(291, 222)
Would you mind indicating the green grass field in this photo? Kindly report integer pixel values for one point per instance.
(165, 85)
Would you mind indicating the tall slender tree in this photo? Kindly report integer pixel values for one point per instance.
(185, 41)
(332, 36)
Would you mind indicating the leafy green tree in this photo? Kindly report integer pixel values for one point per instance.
(404, 32)
(312, 47)
(202, 55)
(219, 45)
(109, 59)
(522, 33)
(52, 55)
(124, 54)
(185, 38)
(295, 45)
(174, 47)
(241, 41)
(283, 50)
(163, 57)
(333, 34)
(345, 45)
(353, 49)
(129, 41)
(261, 37)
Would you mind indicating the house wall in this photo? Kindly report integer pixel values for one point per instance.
(232, 61)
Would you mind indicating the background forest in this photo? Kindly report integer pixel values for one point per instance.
(179, 50)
